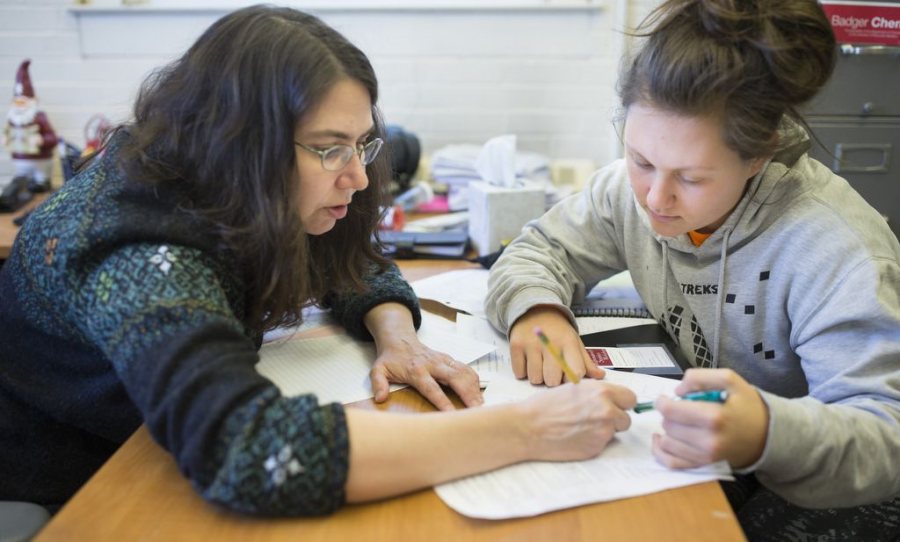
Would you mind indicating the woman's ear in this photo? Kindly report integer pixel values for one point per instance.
(756, 165)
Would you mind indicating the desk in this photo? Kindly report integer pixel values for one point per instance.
(140, 495)
(8, 230)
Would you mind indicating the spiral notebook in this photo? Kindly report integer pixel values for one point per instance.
(612, 306)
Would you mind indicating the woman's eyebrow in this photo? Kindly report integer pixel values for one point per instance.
(337, 134)
(634, 153)
(638, 156)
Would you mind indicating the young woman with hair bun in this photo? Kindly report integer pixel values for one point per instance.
(771, 273)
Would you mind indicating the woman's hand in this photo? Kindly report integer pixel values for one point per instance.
(576, 421)
(698, 433)
(401, 358)
(529, 356)
(406, 360)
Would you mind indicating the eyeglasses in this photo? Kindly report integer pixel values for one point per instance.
(337, 157)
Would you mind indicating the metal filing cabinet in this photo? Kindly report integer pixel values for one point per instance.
(857, 118)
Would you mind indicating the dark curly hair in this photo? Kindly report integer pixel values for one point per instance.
(220, 121)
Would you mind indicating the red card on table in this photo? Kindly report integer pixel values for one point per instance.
(600, 357)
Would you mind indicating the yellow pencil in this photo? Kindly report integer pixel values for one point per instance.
(573, 378)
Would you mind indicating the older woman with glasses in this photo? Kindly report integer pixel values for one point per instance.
(247, 187)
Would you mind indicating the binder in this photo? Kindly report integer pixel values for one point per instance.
(642, 335)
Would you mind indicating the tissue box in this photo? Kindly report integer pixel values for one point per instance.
(497, 214)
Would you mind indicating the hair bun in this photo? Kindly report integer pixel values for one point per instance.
(728, 19)
(793, 37)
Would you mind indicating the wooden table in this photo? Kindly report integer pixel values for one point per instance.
(139, 495)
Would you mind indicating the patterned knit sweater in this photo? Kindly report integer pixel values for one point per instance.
(115, 310)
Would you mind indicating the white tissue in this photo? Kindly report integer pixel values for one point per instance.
(496, 163)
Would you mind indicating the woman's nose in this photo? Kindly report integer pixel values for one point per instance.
(660, 195)
(354, 175)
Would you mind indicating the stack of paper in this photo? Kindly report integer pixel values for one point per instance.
(454, 166)
(626, 468)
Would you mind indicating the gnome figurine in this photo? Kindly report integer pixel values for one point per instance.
(28, 135)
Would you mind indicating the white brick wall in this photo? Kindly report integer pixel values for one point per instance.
(450, 76)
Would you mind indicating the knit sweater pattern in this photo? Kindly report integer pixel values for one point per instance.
(116, 309)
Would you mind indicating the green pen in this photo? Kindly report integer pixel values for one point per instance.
(716, 396)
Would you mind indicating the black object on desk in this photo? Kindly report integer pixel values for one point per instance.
(405, 153)
(405, 245)
(19, 220)
(15, 194)
(642, 335)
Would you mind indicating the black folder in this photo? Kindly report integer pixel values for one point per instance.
(402, 244)
(642, 335)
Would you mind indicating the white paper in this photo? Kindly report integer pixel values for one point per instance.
(462, 289)
(466, 289)
(439, 222)
(454, 165)
(593, 324)
(479, 329)
(625, 468)
(633, 356)
(618, 286)
(313, 318)
(335, 367)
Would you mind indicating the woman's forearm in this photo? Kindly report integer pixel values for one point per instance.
(391, 453)
(389, 322)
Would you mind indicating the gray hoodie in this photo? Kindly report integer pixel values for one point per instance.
(798, 292)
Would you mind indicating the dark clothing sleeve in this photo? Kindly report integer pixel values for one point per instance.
(162, 319)
(383, 286)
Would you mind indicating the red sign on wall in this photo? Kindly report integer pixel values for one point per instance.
(864, 22)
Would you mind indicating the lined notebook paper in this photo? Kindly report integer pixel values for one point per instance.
(335, 367)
